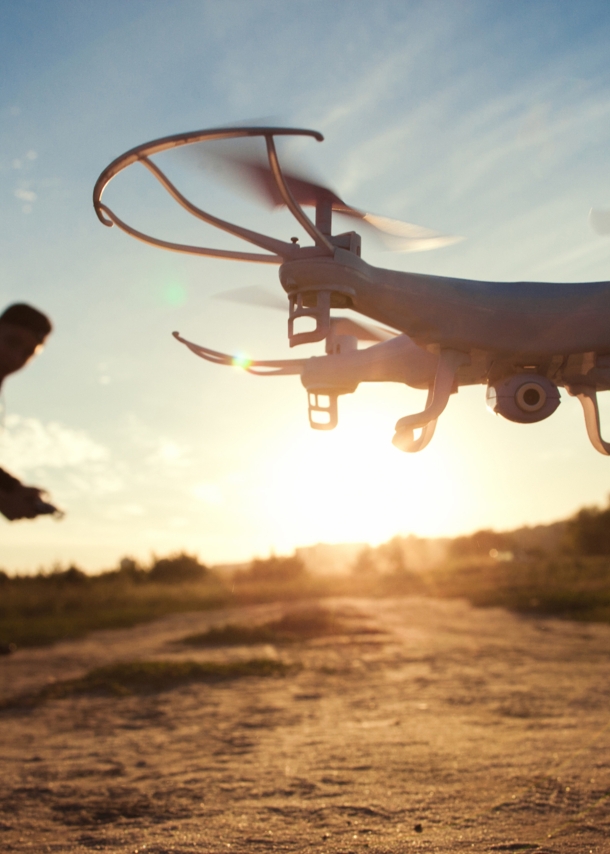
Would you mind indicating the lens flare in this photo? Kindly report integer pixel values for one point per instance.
(174, 294)
(240, 360)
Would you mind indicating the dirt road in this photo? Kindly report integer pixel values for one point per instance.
(455, 730)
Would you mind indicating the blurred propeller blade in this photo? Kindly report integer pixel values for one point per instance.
(407, 237)
(362, 331)
(305, 192)
(254, 295)
(599, 221)
(241, 162)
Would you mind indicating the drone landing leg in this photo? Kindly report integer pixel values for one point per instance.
(405, 439)
(587, 395)
(438, 397)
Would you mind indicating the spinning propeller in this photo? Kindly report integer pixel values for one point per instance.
(247, 169)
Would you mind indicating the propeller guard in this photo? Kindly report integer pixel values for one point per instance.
(325, 378)
(316, 302)
(322, 415)
(277, 251)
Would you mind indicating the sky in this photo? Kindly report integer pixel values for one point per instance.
(481, 119)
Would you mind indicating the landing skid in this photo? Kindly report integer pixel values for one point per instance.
(587, 395)
(438, 397)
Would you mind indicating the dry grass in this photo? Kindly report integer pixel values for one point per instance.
(47, 608)
(569, 587)
(38, 611)
(295, 625)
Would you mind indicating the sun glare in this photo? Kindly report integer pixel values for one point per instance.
(240, 360)
(352, 485)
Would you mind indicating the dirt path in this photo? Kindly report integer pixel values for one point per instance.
(456, 730)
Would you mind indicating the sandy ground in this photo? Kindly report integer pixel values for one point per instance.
(456, 730)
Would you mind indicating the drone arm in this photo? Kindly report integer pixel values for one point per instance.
(438, 397)
(587, 395)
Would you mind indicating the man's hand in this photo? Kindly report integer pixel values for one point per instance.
(20, 502)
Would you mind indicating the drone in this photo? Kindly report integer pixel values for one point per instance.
(522, 340)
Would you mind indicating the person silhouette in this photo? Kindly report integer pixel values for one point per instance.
(23, 330)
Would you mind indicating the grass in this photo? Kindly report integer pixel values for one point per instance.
(44, 609)
(145, 677)
(34, 612)
(295, 625)
(566, 587)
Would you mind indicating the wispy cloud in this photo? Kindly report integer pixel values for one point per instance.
(156, 449)
(25, 195)
(29, 444)
(58, 457)
(487, 120)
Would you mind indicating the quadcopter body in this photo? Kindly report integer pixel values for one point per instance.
(523, 340)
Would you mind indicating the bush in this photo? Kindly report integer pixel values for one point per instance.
(274, 569)
(130, 570)
(480, 544)
(588, 532)
(177, 568)
(71, 575)
(365, 566)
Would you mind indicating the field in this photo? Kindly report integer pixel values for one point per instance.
(168, 710)
(367, 725)
(65, 604)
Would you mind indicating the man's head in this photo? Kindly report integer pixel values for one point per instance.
(23, 330)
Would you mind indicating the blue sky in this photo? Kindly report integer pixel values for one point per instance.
(488, 120)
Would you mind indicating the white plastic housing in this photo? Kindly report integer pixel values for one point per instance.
(398, 360)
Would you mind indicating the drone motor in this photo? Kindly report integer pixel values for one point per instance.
(523, 398)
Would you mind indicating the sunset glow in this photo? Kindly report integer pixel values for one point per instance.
(151, 449)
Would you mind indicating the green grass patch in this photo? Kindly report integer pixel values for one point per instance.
(296, 625)
(146, 677)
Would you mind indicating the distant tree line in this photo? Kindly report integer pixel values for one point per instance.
(273, 569)
(585, 534)
(588, 532)
(482, 544)
(177, 568)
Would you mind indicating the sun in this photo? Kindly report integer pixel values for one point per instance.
(352, 485)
